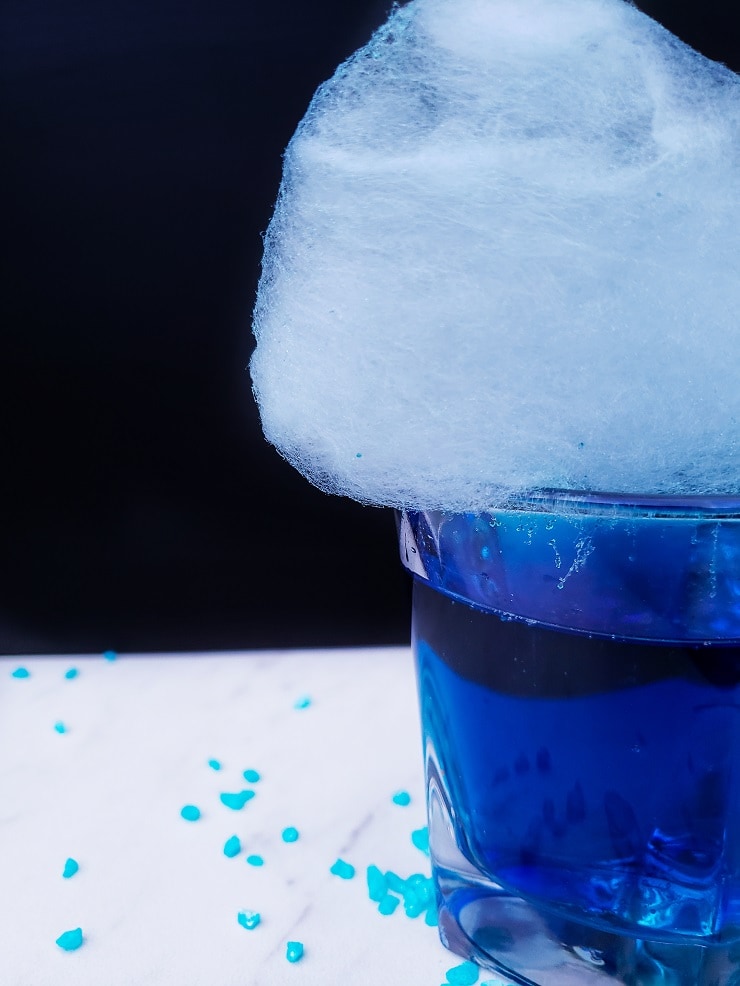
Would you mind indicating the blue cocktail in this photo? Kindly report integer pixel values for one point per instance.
(579, 676)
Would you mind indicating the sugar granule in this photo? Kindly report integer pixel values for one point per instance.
(71, 866)
(59, 727)
(401, 798)
(294, 951)
(110, 655)
(376, 884)
(302, 703)
(395, 882)
(420, 838)
(419, 887)
(214, 764)
(71, 673)
(251, 775)
(248, 919)
(343, 869)
(464, 974)
(20, 673)
(255, 860)
(232, 847)
(413, 908)
(236, 800)
(191, 813)
(70, 940)
(290, 834)
(388, 904)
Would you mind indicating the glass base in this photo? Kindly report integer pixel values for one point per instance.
(533, 945)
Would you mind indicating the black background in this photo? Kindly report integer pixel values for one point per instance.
(140, 508)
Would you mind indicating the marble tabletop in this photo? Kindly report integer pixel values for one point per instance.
(100, 754)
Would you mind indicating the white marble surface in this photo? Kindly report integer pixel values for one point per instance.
(156, 898)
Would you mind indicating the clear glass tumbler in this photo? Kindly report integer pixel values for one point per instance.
(578, 661)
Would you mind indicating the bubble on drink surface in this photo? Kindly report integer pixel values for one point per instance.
(503, 257)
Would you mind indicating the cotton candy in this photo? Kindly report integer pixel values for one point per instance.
(505, 256)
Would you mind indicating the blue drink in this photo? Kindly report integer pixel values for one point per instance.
(579, 678)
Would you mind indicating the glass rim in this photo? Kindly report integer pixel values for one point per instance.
(710, 505)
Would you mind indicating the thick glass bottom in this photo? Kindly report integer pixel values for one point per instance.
(531, 944)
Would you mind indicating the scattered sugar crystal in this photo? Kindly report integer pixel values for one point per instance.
(302, 703)
(294, 951)
(504, 257)
(232, 847)
(20, 673)
(395, 882)
(248, 919)
(71, 866)
(251, 775)
(464, 974)
(71, 673)
(255, 860)
(388, 904)
(290, 834)
(214, 764)
(376, 883)
(343, 869)
(431, 917)
(70, 940)
(60, 727)
(236, 800)
(420, 838)
(419, 888)
(413, 908)
(402, 798)
(110, 655)
(191, 813)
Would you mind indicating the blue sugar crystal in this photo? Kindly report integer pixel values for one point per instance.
(255, 860)
(232, 847)
(20, 673)
(420, 838)
(302, 703)
(214, 764)
(71, 673)
(70, 940)
(376, 884)
(431, 918)
(395, 882)
(237, 800)
(388, 904)
(71, 866)
(402, 798)
(190, 813)
(60, 727)
(419, 887)
(294, 951)
(252, 776)
(110, 655)
(463, 975)
(248, 919)
(290, 834)
(413, 907)
(343, 869)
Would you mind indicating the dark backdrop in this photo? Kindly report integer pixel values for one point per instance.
(140, 507)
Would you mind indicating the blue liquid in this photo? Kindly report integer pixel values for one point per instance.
(593, 780)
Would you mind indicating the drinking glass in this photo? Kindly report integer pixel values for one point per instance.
(578, 661)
